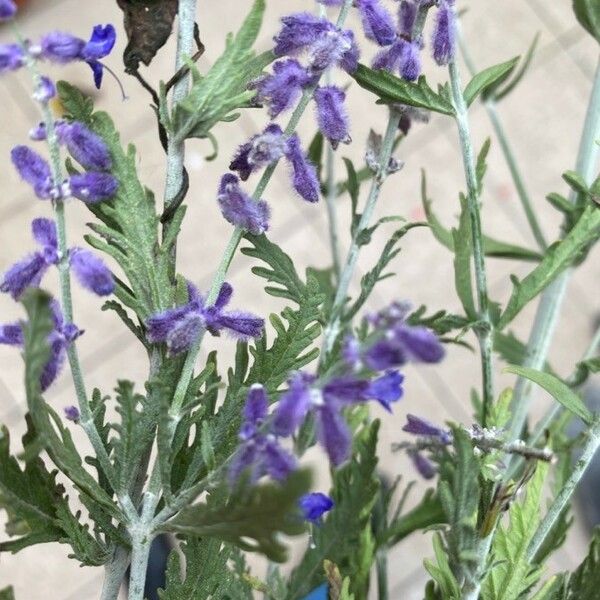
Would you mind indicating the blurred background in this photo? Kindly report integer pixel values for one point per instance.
(543, 116)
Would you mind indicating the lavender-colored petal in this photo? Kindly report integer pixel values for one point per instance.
(12, 57)
(11, 334)
(86, 147)
(91, 272)
(93, 187)
(314, 506)
(240, 162)
(97, 72)
(331, 2)
(184, 333)
(278, 463)
(333, 434)
(304, 174)
(418, 426)
(239, 209)
(283, 88)
(410, 61)
(407, 14)
(44, 233)
(45, 91)
(419, 343)
(224, 296)
(100, 44)
(377, 22)
(351, 352)
(423, 465)
(331, 114)
(268, 147)
(387, 389)
(292, 408)
(349, 59)
(240, 325)
(444, 42)
(24, 274)
(346, 390)
(299, 31)
(337, 47)
(160, 325)
(383, 355)
(389, 58)
(72, 413)
(257, 405)
(8, 9)
(33, 169)
(61, 47)
(243, 459)
(54, 365)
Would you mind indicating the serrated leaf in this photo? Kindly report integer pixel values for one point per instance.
(224, 89)
(512, 573)
(584, 583)
(558, 258)
(441, 572)
(394, 89)
(588, 15)
(583, 370)
(7, 593)
(251, 519)
(557, 389)
(489, 79)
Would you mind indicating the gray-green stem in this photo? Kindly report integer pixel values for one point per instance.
(485, 330)
(114, 573)
(509, 157)
(347, 272)
(552, 298)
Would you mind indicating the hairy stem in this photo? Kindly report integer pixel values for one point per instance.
(557, 507)
(139, 566)
(509, 157)
(553, 296)
(332, 330)
(485, 330)
(114, 572)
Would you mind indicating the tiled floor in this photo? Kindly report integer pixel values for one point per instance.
(544, 117)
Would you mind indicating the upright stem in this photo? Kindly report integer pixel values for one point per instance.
(515, 171)
(139, 566)
(347, 271)
(552, 298)
(114, 572)
(485, 331)
(557, 507)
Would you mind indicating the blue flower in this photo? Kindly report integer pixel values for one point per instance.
(314, 506)
(418, 426)
(240, 209)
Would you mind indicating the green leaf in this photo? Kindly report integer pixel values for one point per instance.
(512, 573)
(394, 89)
(224, 89)
(557, 389)
(588, 15)
(441, 572)
(7, 593)
(583, 370)
(489, 79)
(584, 583)
(345, 536)
(252, 519)
(207, 572)
(558, 258)
(462, 262)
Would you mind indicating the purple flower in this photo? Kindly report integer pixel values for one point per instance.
(29, 271)
(38, 133)
(179, 327)
(260, 151)
(300, 31)
(35, 170)
(407, 15)
(387, 389)
(410, 60)
(91, 272)
(240, 209)
(304, 173)
(12, 57)
(92, 187)
(283, 88)
(72, 413)
(422, 464)
(314, 506)
(61, 47)
(336, 47)
(8, 9)
(389, 58)
(377, 22)
(418, 426)
(260, 452)
(331, 114)
(443, 42)
(62, 335)
(87, 148)
(99, 45)
(45, 91)
(351, 353)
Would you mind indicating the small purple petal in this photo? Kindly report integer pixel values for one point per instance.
(299, 31)
(304, 176)
(292, 408)
(410, 62)
(331, 114)
(419, 343)
(377, 22)
(224, 296)
(314, 506)
(351, 352)
(333, 434)
(383, 355)
(33, 169)
(44, 233)
(46, 90)
(97, 72)
(92, 187)
(91, 272)
(12, 57)
(423, 465)
(159, 326)
(418, 426)
(389, 59)
(257, 405)
(240, 325)
(11, 334)
(268, 147)
(8, 9)
(24, 274)
(61, 47)
(243, 459)
(54, 364)
(86, 147)
(387, 389)
(240, 162)
(101, 43)
(335, 48)
(184, 332)
(239, 209)
(407, 16)
(346, 390)
(72, 413)
(278, 463)
(443, 42)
